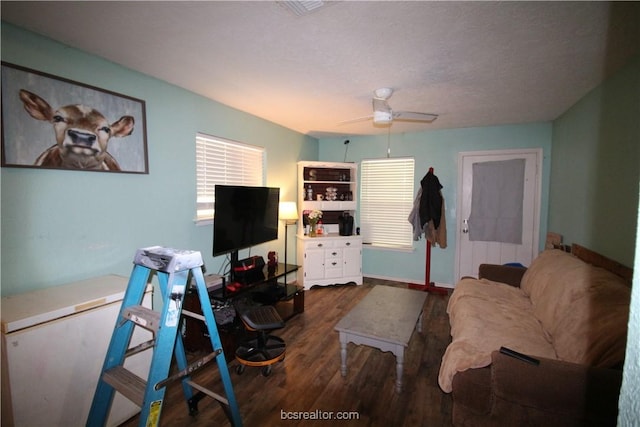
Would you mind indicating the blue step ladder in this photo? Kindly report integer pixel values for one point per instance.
(173, 268)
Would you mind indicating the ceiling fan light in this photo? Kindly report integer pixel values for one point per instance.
(383, 93)
(382, 117)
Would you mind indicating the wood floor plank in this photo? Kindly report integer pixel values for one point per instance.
(309, 379)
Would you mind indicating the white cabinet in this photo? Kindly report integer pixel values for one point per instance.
(329, 260)
(333, 258)
(53, 346)
(327, 186)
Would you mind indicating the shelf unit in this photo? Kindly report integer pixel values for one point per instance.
(321, 176)
(330, 258)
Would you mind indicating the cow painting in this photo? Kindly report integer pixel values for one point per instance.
(81, 134)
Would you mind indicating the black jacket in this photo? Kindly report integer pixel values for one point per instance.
(431, 200)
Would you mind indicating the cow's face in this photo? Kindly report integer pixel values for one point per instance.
(82, 133)
(81, 130)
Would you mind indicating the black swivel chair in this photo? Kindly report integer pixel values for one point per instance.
(264, 349)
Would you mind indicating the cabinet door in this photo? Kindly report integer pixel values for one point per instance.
(352, 261)
(314, 264)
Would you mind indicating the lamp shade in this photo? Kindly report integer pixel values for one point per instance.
(288, 212)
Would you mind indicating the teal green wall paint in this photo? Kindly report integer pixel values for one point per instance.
(438, 149)
(596, 166)
(62, 226)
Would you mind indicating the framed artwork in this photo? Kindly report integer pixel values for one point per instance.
(55, 123)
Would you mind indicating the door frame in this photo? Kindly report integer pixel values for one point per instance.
(538, 152)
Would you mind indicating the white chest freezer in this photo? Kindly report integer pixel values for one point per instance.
(54, 342)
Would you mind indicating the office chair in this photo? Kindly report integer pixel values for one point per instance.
(264, 349)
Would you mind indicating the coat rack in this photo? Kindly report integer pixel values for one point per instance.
(429, 286)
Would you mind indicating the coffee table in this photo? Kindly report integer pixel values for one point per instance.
(384, 319)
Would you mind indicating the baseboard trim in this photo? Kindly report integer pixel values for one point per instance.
(410, 281)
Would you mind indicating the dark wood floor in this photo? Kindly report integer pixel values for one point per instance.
(309, 378)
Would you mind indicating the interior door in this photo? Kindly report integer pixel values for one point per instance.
(470, 254)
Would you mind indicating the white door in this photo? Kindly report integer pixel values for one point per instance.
(470, 254)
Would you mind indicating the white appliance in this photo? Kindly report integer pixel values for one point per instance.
(54, 342)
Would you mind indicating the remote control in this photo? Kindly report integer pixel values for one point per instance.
(520, 356)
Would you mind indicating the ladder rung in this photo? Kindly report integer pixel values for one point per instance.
(143, 316)
(127, 383)
(209, 393)
(140, 348)
(190, 369)
(193, 315)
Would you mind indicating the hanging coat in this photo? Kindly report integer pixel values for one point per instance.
(431, 200)
(428, 210)
(414, 217)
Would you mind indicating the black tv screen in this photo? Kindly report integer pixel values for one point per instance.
(244, 217)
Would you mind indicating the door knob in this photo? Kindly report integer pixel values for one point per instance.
(465, 226)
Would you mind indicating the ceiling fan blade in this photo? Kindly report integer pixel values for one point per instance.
(359, 119)
(413, 116)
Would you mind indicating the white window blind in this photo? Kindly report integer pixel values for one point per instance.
(386, 200)
(220, 161)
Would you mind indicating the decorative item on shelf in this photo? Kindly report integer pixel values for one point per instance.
(309, 193)
(345, 224)
(313, 217)
(313, 175)
(331, 194)
(272, 264)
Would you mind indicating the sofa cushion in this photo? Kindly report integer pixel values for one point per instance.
(485, 316)
(583, 308)
(544, 269)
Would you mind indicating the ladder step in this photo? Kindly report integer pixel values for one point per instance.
(143, 316)
(127, 383)
(140, 348)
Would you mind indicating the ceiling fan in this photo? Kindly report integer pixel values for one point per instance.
(383, 114)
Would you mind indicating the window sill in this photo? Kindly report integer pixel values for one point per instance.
(203, 221)
(388, 248)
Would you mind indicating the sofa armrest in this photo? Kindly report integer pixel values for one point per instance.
(565, 389)
(552, 393)
(502, 273)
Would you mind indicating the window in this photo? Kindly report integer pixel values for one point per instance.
(386, 200)
(220, 161)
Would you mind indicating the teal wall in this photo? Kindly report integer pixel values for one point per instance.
(62, 226)
(93, 222)
(594, 196)
(438, 149)
(596, 167)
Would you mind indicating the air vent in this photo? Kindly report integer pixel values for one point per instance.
(301, 8)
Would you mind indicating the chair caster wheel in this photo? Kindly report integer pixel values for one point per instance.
(239, 369)
(266, 371)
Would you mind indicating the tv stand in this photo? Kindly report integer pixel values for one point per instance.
(287, 298)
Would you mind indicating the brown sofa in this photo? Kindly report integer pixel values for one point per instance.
(569, 315)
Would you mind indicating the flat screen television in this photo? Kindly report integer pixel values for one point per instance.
(244, 217)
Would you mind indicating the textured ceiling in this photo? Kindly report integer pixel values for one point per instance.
(473, 63)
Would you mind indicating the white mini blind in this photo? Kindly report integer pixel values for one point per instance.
(224, 162)
(386, 200)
